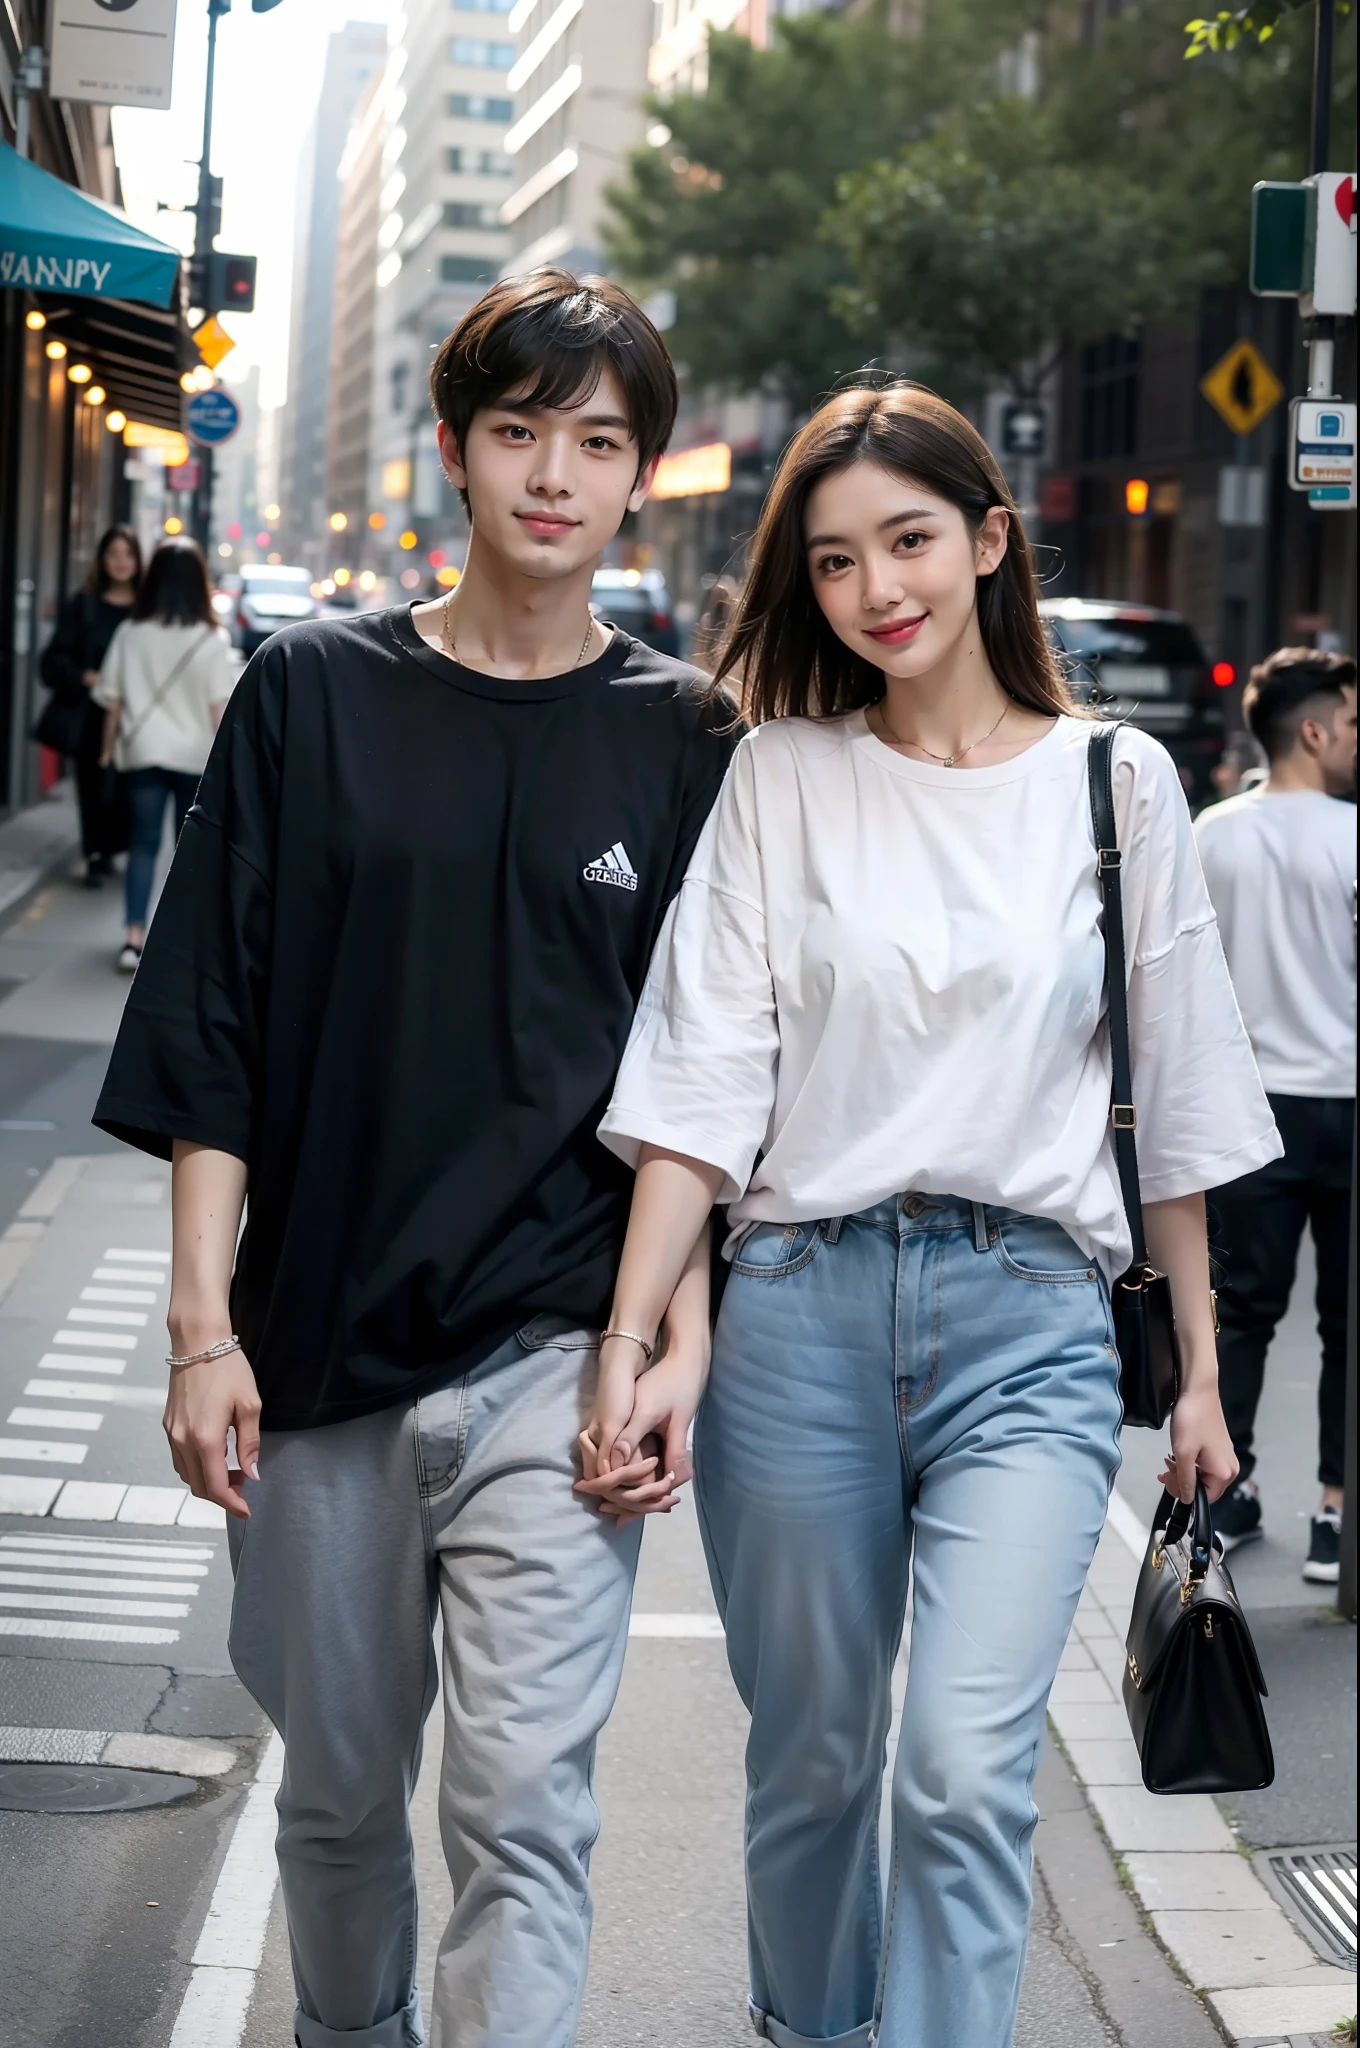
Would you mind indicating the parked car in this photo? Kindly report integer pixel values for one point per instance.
(1148, 667)
(638, 601)
(270, 596)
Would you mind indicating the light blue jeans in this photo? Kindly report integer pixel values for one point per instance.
(932, 1384)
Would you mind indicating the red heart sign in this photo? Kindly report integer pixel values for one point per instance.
(1345, 201)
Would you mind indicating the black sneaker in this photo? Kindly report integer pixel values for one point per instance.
(1237, 1517)
(1324, 1548)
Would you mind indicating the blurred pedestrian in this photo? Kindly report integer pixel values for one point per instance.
(385, 994)
(72, 723)
(1280, 862)
(874, 1025)
(163, 687)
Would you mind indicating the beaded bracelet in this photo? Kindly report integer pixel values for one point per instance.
(218, 1350)
(633, 1338)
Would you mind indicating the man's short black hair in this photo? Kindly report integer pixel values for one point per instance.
(551, 335)
(1280, 689)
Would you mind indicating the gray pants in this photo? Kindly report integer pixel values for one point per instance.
(355, 1531)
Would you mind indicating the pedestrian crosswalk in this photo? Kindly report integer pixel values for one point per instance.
(101, 1589)
(75, 1389)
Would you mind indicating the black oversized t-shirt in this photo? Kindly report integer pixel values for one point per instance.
(394, 969)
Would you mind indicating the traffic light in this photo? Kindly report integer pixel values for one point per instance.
(220, 283)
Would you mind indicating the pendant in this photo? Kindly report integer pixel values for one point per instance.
(949, 760)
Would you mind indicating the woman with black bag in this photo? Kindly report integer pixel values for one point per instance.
(875, 1024)
(71, 723)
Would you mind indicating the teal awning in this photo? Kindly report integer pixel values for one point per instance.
(56, 239)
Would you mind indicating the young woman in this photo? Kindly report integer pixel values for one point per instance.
(72, 723)
(163, 686)
(873, 1025)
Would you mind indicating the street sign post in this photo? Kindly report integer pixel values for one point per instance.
(1279, 239)
(212, 341)
(1329, 255)
(114, 55)
(1322, 452)
(1242, 388)
(1024, 428)
(211, 417)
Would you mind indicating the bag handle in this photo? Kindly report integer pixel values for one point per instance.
(1174, 1517)
(1109, 861)
(125, 738)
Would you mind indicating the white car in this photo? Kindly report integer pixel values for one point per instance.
(270, 596)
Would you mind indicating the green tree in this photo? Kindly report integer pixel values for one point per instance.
(726, 212)
(981, 246)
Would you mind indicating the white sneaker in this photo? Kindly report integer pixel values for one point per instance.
(130, 959)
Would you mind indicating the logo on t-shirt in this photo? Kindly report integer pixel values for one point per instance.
(613, 868)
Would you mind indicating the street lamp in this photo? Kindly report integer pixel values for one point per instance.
(56, 350)
(35, 320)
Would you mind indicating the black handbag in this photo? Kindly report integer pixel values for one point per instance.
(61, 724)
(1192, 1680)
(1144, 1318)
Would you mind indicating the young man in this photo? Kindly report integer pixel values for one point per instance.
(387, 987)
(1280, 864)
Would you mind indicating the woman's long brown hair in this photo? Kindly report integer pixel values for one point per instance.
(782, 655)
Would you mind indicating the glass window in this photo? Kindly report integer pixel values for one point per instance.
(466, 270)
(486, 55)
(479, 106)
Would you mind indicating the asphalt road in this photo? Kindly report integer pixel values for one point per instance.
(102, 1914)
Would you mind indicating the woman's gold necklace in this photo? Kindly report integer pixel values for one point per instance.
(451, 645)
(945, 760)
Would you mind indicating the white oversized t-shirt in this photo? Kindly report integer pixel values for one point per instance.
(1281, 874)
(883, 975)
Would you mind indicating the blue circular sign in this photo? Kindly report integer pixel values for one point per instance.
(211, 416)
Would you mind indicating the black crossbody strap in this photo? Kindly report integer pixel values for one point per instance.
(1123, 1115)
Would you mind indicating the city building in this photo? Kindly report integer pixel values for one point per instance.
(353, 55)
(90, 395)
(578, 77)
(444, 173)
(349, 398)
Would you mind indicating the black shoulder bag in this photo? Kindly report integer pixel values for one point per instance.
(1192, 1680)
(1144, 1319)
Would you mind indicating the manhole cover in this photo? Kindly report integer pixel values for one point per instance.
(1318, 1888)
(86, 1788)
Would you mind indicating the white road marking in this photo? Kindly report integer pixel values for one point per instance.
(110, 1546)
(56, 1361)
(14, 1448)
(132, 1317)
(53, 1418)
(21, 1495)
(82, 1390)
(89, 1500)
(696, 1626)
(231, 1946)
(152, 1503)
(61, 1579)
(112, 1340)
(83, 1631)
(46, 1559)
(127, 1295)
(129, 1275)
(55, 1603)
(118, 1251)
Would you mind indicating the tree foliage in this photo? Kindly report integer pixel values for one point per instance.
(929, 196)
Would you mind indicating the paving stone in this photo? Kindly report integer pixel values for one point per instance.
(1220, 1882)
(1286, 2009)
(1090, 1721)
(1135, 1818)
(1078, 1688)
(1218, 1949)
(1106, 1763)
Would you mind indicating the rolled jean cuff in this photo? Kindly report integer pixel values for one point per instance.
(405, 2029)
(771, 2029)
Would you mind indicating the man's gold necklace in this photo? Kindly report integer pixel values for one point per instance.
(451, 645)
(945, 760)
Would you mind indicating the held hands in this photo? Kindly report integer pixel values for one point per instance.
(1200, 1443)
(634, 1448)
(204, 1402)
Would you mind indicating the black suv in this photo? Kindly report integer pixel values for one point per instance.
(1146, 666)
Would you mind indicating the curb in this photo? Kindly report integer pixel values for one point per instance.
(1185, 1868)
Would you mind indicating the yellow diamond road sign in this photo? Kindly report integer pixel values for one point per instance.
(1242, 387)
(212, 341)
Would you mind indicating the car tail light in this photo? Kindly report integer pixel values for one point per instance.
(661, 622)
(1223, 675)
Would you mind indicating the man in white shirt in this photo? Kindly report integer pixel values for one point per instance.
(1280, 862)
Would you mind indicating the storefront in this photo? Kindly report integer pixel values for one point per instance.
(92, 345)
